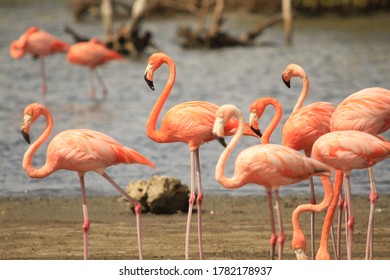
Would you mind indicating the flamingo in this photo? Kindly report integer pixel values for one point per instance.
(366, 110)
(189, 122)
(79, 150)
(40, 44)
(268, 165)
(305, 124)
(346, 150)
(92, 54)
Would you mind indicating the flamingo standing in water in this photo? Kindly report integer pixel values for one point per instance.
(346, 150)
(366, 110)
(305, 125)
(268, 165)
(92, 54)
(79, 150)
(189, 122)
(40, 44)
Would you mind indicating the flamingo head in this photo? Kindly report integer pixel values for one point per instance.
(31, 114)
(292, 70)
(154, 63)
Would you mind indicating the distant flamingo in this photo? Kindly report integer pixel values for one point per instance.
(366, 110)
(269, 165)
(189, 122)
(305, 125)
(40, 44)
(92, 54)
(346, 150)
(79, 150)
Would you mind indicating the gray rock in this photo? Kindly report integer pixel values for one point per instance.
(160, 195)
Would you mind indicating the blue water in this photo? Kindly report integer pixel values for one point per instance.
(340, 56)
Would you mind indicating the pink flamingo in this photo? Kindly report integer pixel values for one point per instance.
(366, 110)
(79, 150)
(346, 150)
(40, 44)
(305, 125)
(92, 54)
(189, 122)
(269, 165)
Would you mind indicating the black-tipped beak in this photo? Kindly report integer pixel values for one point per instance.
(287, 83)
(149, 82)
(26, 136)
(221, 140)
(257, 131)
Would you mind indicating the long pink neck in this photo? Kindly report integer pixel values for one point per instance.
(274, 122)
(233, 182)
(47, 168)
(154, 134)
(304, 92)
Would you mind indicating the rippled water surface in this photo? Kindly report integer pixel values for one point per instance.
(340, 56)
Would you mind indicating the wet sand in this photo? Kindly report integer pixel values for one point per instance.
(233, 228)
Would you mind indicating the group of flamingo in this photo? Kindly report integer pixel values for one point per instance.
(335, 140)
(40, 43)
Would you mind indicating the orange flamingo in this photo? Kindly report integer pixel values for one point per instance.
(346, 150)
(79, 150)
(269, 165)
(366, 110)
(92, 54)
(189, 122)
(40, 44)
(305, 125)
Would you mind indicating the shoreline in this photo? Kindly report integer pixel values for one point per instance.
(234, 227)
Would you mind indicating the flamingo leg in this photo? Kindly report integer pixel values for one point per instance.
(101, 83)
(312, 217)
(137, 210)
(370, 228)
(91, 83)
(190, 206)
(85, 214)
(281, 237)
(199, 200)
(350, 221)
(272, 240)
(43, 75)
(340, 205)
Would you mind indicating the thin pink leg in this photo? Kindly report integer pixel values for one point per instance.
(91, 83)
(340, 205)
(43, 75)
(199, 201)
(190, 206)
(137, 210)
(370, 228)
(102, 85)
(272, 240)
(281, 237)
(312, 217)
(350, 220)
(86, 218)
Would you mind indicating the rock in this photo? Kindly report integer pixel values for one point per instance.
(160, 195)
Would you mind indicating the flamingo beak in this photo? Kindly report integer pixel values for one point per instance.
(148, 76)
(286, 82)
(253, 123)
(221, 140)
(25, 128)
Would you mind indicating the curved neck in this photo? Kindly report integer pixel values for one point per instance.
(47, 168)
(304, 92)
(274, 122)
(154, 114)
(233, 182)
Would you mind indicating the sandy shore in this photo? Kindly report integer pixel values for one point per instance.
(233, 228)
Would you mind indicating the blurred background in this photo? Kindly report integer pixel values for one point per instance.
(224, 51)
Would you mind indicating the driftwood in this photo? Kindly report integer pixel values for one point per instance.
(214, 37)
(127, 39)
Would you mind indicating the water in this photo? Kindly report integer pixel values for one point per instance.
(340, 56)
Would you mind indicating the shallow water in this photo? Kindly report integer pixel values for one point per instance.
(340, 56)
